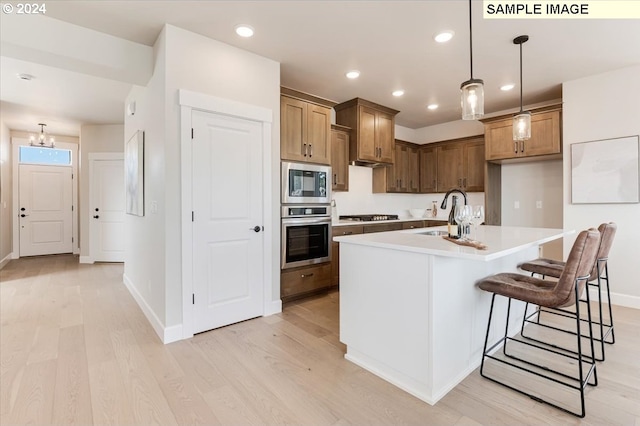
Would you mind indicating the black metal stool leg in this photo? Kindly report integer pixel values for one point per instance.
(606, 279)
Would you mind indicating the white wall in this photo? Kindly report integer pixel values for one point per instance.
(186, 60)
(527, 184)
(93, 138)
(6, 195)
(601, 107)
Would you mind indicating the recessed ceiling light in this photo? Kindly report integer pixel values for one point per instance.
(27, 77)
(432, 106)
(507, 87)
(444, 36)
(244, 30)
(353, 74)
(397, 92)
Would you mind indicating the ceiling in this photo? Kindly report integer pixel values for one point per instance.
(389, 42)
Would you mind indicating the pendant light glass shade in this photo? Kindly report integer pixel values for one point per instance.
(522, 126)
(472, 90)
(472, 99)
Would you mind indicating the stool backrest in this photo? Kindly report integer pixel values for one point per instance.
(579, 264)
(607, 232)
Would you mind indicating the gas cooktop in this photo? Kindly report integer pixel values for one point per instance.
(369, 217)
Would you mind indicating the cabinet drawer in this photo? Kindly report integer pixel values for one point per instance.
(413, 224)
(304, 280)
(382, 227)
(429, 223)
(338, 231)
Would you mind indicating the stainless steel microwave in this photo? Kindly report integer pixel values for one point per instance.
(305, 183)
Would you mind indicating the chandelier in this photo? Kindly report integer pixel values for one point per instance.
(42, 140)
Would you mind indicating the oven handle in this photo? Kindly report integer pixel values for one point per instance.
(305, 220)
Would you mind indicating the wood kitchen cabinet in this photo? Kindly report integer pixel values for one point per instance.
(372, 130)
(545, 136)
(403, 175)
(340, 157)
(335, 248)
(305, 128)
(460, 164)
(305, 281)
(428, 160)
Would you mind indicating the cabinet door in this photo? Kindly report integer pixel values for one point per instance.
(401, 167)
(293, 116)
(545, 135)
(367, 134)
(473, 180)
(384, 137)
(318, 134)
(414, 224)
(340, 160)
(499, 143)
(413, 177)
(428, 168)
(450, 167)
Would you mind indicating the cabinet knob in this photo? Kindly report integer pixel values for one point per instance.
(306, 275)
(96, 217)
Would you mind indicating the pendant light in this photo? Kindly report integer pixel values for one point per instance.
(472, 90)
(522, 120)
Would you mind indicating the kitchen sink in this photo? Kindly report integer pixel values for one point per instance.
(434, 233)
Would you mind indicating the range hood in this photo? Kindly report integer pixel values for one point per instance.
(368, 164)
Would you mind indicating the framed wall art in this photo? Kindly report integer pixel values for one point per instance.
(134, 174)
(605, 171)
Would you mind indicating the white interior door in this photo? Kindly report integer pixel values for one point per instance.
(107, 210)
(227, 205)
(45, 210)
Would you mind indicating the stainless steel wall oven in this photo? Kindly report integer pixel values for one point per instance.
(306, 235)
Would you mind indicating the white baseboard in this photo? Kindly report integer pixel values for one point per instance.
(86, 259)
(6, 260)
(273, 307)
(618, 299)
(166, 334)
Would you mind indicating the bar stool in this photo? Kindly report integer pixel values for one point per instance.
(599, 274)
(563, 293)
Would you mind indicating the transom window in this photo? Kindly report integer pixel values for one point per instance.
(49, 156)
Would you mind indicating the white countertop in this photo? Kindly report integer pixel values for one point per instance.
(500, 241)
(345, 222)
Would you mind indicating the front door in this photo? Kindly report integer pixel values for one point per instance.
(45, 209)
(107, 210)
(228, 252)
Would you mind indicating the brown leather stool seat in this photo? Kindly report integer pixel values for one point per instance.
(562, 293)
(598, 278)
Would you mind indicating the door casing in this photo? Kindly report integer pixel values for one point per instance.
(16, 143)
(190, 101)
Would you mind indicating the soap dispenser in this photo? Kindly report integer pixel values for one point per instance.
(434, 208)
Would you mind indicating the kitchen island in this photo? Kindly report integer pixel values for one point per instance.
(409, 308)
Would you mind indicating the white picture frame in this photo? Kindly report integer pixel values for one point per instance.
(134, 174)
(606, 171)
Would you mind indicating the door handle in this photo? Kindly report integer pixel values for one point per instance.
(96, 217)
(522, 147)
(310, 151)
(304, 148)
(24, 215)
(257, 228)
(306, 275)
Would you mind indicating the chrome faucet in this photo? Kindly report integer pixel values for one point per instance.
(444, 202)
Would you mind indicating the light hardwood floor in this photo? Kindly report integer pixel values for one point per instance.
(77, 350)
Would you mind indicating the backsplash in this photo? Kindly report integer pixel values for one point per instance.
(361, 200)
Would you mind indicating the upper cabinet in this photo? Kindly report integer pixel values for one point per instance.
(428, 168)
(340, 157)
(545, 136)
(403, 175)
(372, 130)
(460, 164)
(305, 127)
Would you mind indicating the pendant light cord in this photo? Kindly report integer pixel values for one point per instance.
(470, 40)
(520, 77)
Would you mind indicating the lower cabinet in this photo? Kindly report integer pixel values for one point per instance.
(413, 224)
(304, 281)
